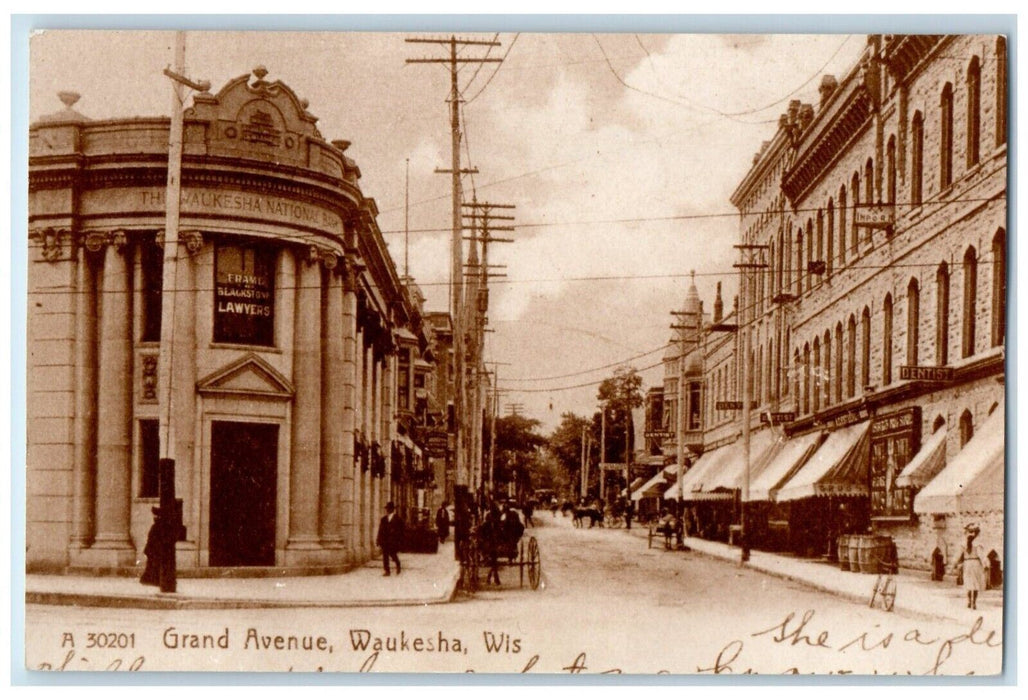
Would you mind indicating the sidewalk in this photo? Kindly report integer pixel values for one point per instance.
(916, 593)
(426, 579)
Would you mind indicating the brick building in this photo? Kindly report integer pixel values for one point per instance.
(289, 314)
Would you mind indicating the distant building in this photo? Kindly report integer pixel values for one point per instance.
(289, 317)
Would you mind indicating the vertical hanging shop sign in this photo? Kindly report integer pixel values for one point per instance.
(895, 439)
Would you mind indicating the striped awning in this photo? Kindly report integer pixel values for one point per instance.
(928, 462)
(655, 486)
(732, 473)
(837, 468)
(705, 469)
(973, 479)
(786, 458)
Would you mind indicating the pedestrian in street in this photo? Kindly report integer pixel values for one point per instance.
(491, 536)
(629, 511)
(528, 509)
(442, 523)
(390, 537)
(971, 563)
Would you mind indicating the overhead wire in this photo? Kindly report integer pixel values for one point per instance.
(498, 66)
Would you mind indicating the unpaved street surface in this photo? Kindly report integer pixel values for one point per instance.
(607, 604)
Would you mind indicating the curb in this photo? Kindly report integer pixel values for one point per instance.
(171, 601)
(846, 595)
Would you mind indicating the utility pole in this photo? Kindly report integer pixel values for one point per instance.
(169, 516)
(463, 480)
(750, 260)
(584, 466)
(603, 449)
(493, 410)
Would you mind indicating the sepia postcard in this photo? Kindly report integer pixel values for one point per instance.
(496, 352)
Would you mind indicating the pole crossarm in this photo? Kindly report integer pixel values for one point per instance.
(456, 60)
(447, 41)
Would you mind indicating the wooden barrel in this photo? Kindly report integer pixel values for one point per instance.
(844, 552)
(874, 549)
(856, 543)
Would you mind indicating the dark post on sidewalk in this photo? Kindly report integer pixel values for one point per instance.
(167, 529)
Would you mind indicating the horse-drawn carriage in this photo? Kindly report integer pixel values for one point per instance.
(493, 548)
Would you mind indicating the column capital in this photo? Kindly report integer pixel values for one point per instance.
(96, 241)
(326, 257)
(192, 240)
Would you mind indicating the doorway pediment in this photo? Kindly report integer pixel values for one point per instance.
(249, 375)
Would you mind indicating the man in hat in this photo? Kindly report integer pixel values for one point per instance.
(390, 536)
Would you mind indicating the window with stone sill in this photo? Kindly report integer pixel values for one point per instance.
(151, 262)
(149, 456)
(244, 294)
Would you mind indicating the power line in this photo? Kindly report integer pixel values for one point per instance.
(588, 371)
(573, 386)
(497, 70)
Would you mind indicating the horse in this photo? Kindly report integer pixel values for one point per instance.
(580, 514)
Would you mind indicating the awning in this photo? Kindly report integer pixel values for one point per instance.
(928, 462)
(732, 473)
(973, 479)
(705, 469)
(787, 458)
(652, 488)
(838, 468)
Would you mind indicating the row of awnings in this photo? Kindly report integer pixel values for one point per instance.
(836, 464)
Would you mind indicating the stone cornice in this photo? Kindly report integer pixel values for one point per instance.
(904, 52)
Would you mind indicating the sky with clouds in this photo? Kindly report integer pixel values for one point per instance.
(620, 152)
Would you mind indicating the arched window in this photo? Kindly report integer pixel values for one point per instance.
(830, 238)
(795, 376)
(890, 170)
(799, 260)
(838, 363)
(970, 301)
(855, 191)
(940, 422)
(826, 369)
(916, 159)
(769, 373)
(820, 236)
(758, 367)
(1001, 90)
(913, 320)
(783, 253)
(810, 254)
(974, 109)
(966, 427)
(887, 340)
(842, 226)
(869, 182)
(816, 372)
(946, 136)
(865, 347)
(999, 287)
(806, 378)
(942, 314)
(851, 357)
(784, 350)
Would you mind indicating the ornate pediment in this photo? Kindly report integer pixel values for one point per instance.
(249, 375)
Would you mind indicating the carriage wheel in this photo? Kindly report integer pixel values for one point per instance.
(889, 593)
(469, 566)
(535, 564)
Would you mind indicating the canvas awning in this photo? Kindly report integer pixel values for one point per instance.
(787, 458)
(732, 473)
(928, 462)
(654, 487)
(705, 469)
(837, 468)
(973, 479)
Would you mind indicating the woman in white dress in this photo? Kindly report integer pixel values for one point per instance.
(972, 565)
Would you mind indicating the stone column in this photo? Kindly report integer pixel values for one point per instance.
(112, 543)
(389, 393)
(333, 433)
(348, 332)
(371, 435)
(83, 517)
(305, 466)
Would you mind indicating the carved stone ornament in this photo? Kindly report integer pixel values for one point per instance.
(95, 241)
(49, 242)
(149, 377)
(329, 259)
(193, 241)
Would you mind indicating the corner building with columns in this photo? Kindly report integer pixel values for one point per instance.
(287, 311)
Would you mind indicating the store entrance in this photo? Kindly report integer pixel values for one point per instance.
(244, 460)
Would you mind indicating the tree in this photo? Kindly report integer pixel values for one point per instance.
(566, 441)
(619, 394)
(517, 447)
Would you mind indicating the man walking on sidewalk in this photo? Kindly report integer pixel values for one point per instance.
(390, 536)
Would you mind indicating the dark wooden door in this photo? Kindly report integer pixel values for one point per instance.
(244, 461)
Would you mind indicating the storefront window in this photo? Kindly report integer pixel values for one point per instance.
(244, 294)
(149, 449)
(151, 261)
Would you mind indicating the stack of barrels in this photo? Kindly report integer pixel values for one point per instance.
(864, 553)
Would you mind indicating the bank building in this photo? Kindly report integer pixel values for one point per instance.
(288, 317)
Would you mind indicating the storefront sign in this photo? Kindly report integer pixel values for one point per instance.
(436, 445)
(926, 374)
(895, 439)
(659, 434)
(234, 203)
(874, 215)
(732, 405)
(778, 417)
